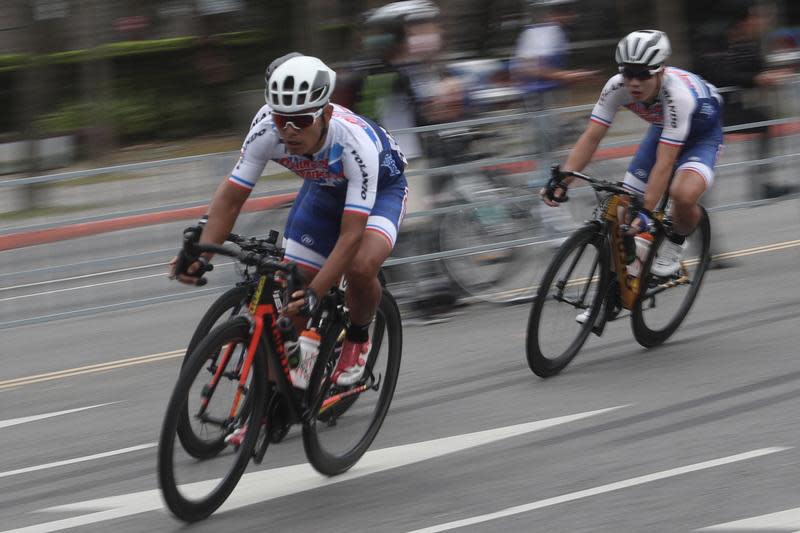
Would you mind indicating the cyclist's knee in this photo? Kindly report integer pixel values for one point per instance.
(687, 188)
(363, 269)
(683, 198)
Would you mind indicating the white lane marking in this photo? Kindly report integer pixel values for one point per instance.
(56, 291)
(93, 275)
(25, 419)
(83, 459)
(84, 276)
(602, 489)
(788, 520)
(68, 289)
(275, 483)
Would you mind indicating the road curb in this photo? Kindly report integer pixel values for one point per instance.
(85, 229)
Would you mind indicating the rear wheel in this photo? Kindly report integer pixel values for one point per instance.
(347, 419)
(575, 282)
(664, 302)
(491, 214)
(192, 488)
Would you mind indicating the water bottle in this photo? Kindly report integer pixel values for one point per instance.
(309, 348)
(642, 241)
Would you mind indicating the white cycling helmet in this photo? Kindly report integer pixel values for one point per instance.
(649, 48)
(298, 84)
(400, 13)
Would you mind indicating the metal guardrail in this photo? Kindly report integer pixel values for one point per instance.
(452, 168)
(515, 117)
(114, 261)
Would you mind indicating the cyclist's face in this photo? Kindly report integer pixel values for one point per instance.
(643, 90)
(307, 140)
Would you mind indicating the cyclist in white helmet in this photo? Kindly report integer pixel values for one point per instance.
(347, 214)
(683, 140)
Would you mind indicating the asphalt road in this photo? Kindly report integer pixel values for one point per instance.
(699, 432)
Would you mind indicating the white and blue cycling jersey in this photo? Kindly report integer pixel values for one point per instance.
(686, 113)
(359, 169)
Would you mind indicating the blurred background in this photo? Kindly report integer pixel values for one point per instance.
(117, 109)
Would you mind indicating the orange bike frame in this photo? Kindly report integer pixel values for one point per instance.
(628, 285)
(258, 313)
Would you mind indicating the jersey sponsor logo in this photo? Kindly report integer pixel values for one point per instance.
(706, 109)
(252, 138)
(388, 162)
(257, 120)
(318, 171)
(364, 174)
(673, 112)
(606, 93)
(653, 114)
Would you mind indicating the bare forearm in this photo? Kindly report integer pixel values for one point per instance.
(582, 152)
(657, 184)
(223, 212)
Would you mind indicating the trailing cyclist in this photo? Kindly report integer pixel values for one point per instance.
(678, 151)
(348, 211)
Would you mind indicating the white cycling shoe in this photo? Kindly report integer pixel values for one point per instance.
(583, 317)
(668, 260)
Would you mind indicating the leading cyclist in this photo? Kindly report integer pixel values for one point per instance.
(684, 138)
(347, 214)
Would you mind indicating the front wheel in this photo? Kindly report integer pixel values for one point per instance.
(347, 419)
(663, 303)
(227, 306)
(568, 300)
(209, 390)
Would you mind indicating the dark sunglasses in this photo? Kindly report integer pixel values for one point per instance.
(299, 121)
(638, 73)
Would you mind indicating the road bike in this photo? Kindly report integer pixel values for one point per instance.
(589, 274)
(237, 381)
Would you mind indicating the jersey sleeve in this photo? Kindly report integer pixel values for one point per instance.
(256, 150)
(613, 96)
(361, 168)
(679, 105)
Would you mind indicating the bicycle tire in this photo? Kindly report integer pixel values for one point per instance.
(475, 273)
(489, 276)
(650, 337)
(538, 361)
(191, 510)
(321, 459)
(229, 302)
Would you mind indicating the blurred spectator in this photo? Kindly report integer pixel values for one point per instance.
(539, 67)
(403, 86)
(739, 62)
